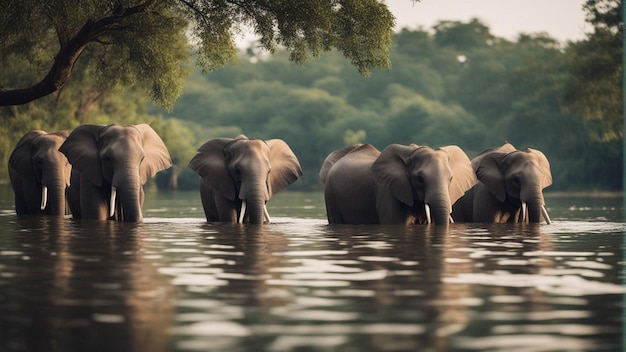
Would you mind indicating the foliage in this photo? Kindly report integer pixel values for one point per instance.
(142, 43)
(595, 91)
(471, 89)
(475, 93)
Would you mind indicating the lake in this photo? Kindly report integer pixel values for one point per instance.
(177, 283)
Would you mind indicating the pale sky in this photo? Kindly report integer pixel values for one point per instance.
(561, 19)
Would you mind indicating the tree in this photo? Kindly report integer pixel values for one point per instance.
(595, 91)
(140, 39)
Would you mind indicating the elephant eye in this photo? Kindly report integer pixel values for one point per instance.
(515, 181)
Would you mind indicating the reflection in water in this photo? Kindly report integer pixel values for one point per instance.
(300, 284)
(80, 286)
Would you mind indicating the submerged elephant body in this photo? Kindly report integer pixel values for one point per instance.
(239, 176)
(40, 174)
(110, 166)
(400, 185)
(510, 187)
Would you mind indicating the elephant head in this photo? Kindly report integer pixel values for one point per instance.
(420, 184)
(517, 179)
(114, 162)
(40, 174)
(241, 175)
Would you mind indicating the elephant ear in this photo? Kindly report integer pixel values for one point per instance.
(490, 173)
(544, 165)
(81, 150)
(333, 158)
(463, 175)
(390, 170)
(64, 134)
(156, 157)
(210, 164)
(285, 166)
(21, 158)
(504, 148)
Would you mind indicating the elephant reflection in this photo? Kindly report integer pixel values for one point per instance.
(510, 187)
(83, 286)
(238, 177)
(110, 166)
(40, 174)
(400, 185)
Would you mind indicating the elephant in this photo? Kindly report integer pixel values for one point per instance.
(400, 185)
(349, 185)
(110, 165)
(239, 176)
(510, 187)
(40, 174)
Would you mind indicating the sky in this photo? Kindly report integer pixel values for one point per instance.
(563, 20)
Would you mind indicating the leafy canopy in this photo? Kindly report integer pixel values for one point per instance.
(144, 42)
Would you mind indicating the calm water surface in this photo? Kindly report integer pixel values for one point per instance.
(177, 283)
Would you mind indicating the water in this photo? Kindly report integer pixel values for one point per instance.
(176, 283)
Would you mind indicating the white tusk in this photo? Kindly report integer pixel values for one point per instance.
(451, 219)
(544, 212)
(427, 210)
(112, 204)
(242, 213)
(522, 217)
(44, 197)
(266, 214)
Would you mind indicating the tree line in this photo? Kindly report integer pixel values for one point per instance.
(455, 83)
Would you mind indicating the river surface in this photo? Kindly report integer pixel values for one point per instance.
(177, 283)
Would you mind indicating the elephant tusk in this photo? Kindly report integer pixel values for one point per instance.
(266, 214)
(523, 215)
(427, 210)
(44, 197)
(112, 204)
(242, 213)
(544, 212)
(451, 219)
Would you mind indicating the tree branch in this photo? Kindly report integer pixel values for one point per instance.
(68, 54)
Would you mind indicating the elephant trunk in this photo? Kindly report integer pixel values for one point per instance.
(253, 207)
(126, 199)
(532, 211)
(53, 196)
(532, 205)
(439, 208)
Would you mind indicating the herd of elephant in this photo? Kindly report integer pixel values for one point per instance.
(98, 172)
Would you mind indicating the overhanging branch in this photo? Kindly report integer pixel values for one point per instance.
(67, 56)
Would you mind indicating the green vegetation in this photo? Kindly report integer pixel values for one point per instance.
(142, 42)
(456, 84)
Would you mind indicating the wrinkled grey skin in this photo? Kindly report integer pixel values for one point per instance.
(40, 174)
(239, 176)
(350, 186)
(400, 185)
(510, 187)
(112, 161)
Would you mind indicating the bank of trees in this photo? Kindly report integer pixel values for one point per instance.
(454, 84)
(458, 84)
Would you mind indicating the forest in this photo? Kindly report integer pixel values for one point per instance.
(455, 83)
